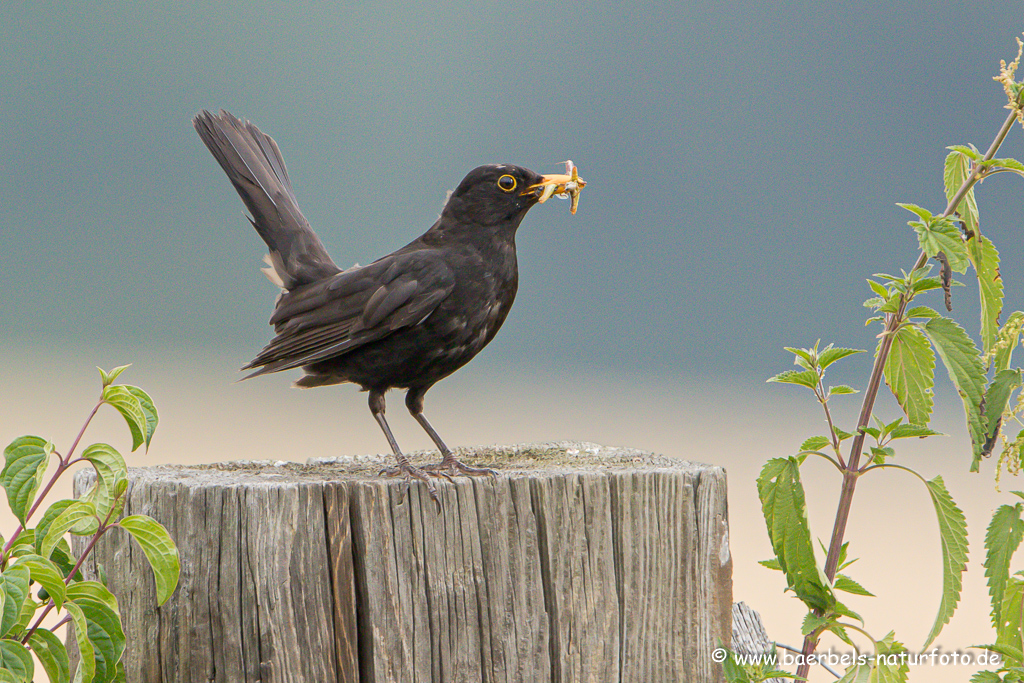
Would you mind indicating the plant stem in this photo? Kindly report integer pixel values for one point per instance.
(62, 466)
(852, 470)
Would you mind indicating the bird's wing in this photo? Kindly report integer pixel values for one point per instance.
(253, 163)
(355, 307)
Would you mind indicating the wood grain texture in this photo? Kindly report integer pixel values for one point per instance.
(577, 563)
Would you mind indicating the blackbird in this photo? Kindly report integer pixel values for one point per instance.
(404, 321)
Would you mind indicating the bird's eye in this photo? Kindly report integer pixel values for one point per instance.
(507, 183)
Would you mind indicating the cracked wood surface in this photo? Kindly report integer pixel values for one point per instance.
(577, 563)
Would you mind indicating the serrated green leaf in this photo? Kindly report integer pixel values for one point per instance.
(997, 395)
(922, 312)
(923, 214)
(16, 659)
(985, 260)
(845, 583)
(46, 574)
(843, 436)
(771, 563)
(806, 378)
(1006, 340)
(130, 408)
(879, 289)
(942, 235)
(830, 356)
(912, 430)
(51, 653)
(148, 409)
(963, 363)
(814, 622)
(804, 357)
(733, 671)
(910, 373)
(969, 151)
(841, 390)
(1005, 532)
(929, 283)
(957, 169)
(1008, 164)
(108, 377)
(890, 667)
(986, 677)
(14, 585)
(953, 536)
(1008, 630)
(86, 649)
(160, 550)
(105, 633)
(1012, 656)
(111, 472)
(815, 443)
(70, 519)
(25, 461)
(785, 514)
(857, 673)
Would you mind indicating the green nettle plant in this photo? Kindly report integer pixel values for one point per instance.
(990, 388)
(41, 555)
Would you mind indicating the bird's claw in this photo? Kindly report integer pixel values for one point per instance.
(456, 468)
(410, 472)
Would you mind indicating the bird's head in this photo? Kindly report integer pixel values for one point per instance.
(502, 194)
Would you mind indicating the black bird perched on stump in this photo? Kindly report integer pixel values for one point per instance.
(404, 321)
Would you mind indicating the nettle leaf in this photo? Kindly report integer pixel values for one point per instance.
(52, 654)
(160, 550)
(1008, 630)
(997, 395)
(785, 514)
(968, 150)
(985, 260)
(889, 668)
(831, 355)
(879, 289)
(814, 622)
(806, 378)
(130, 408)
(953, 537)
(911, 430)
(922, 312)
(1006, 340)
(772, 563)
(845, 583)
(986, 677)
(910, 373)
(941, 235)
(25, 461)
(857, 673)
(962, 361)
(841, 390)
(804, 357)
(1005, 532)
(956, 171)
(815, 443)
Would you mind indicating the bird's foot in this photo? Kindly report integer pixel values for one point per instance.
(410, 472)
(450, 467)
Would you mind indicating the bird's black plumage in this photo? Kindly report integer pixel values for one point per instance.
(404, 321)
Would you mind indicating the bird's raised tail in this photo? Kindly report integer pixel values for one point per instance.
(254, 165)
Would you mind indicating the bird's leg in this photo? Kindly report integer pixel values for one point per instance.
(404, 468)
(449, 463)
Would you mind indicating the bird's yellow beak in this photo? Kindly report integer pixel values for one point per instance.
(556, 184)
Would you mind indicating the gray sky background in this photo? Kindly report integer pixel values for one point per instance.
(744, 161)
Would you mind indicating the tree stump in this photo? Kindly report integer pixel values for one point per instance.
(576, 563)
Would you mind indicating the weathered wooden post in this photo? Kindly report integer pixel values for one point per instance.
(577, 563)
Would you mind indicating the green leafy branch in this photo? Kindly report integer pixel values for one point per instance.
(42, 555)
(911, 337)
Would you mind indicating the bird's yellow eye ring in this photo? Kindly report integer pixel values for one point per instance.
(507, 183)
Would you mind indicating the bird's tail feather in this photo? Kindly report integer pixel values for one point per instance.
(254, 165)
